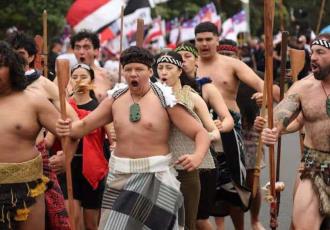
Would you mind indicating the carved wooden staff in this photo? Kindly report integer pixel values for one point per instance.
(63, 67)
(38, 59)
(297, 60)
(256, 174)
(268, 28)
(284, 45)
(45, 44)
(121, 40)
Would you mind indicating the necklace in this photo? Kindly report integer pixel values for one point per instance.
(135, 110)
(327, 102)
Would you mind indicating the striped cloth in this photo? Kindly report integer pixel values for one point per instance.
(142, 194)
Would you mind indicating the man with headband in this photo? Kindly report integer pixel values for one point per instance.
(311, 96)
(226, 74)
(142, 191)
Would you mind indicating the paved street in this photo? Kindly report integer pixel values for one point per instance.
(289, 165)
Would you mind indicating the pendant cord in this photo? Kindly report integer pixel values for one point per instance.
(325, 92)
(141, 96)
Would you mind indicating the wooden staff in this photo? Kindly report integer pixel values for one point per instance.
(256, 174)
(121, 40)
(320, 17)
(281, 15)
(140, 32)
(38, 59)
(63, 67)
(268, 28)
(297, 60)
(45, 45)
(284, 45)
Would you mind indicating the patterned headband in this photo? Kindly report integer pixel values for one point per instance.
(187, 48)
(227, 48)
(321, 42)
(169, 59)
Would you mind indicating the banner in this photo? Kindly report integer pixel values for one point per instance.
(234, 25)
(93, 15)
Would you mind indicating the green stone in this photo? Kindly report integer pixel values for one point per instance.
(328, 106)
(134, 112)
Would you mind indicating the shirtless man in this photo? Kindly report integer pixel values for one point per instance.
(22, 115)
(140, 171)
(85, 45)
(37, 84)
(311, 97)
(44, 88)
(225, 73)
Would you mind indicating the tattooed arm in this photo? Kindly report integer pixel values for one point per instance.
(284, 113)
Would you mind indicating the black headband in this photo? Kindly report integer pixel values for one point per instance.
(321, 42)
(190, 49)
(169, 59)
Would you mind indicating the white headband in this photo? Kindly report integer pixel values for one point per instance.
(169, 59)
(321, 42)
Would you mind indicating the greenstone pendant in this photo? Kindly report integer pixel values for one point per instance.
(134, 112)
(328, 105)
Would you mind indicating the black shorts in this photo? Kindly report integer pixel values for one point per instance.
(82, 190)
(208, 191)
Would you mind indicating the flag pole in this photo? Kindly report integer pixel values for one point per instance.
(268, 30)
(45, 44)
(121, 40)
(63, 67)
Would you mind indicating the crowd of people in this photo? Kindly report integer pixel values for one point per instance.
(170, 146)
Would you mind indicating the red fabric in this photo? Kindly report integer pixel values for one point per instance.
(95, 166)
(81, 9)
(56, 214)
(106, 34)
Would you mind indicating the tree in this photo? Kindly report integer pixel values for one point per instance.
(27, 15)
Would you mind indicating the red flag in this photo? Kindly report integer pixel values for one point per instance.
(93, 15)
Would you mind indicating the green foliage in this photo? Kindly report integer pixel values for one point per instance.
(26, 15)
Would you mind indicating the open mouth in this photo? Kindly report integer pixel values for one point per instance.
(82, 59)
(134, 83)
(315, 67)
(163, 80)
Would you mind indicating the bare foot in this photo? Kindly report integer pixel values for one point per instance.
(257, 226)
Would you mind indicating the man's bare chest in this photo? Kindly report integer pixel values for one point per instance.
(18, 119)
(314, 107)
(152, 116)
